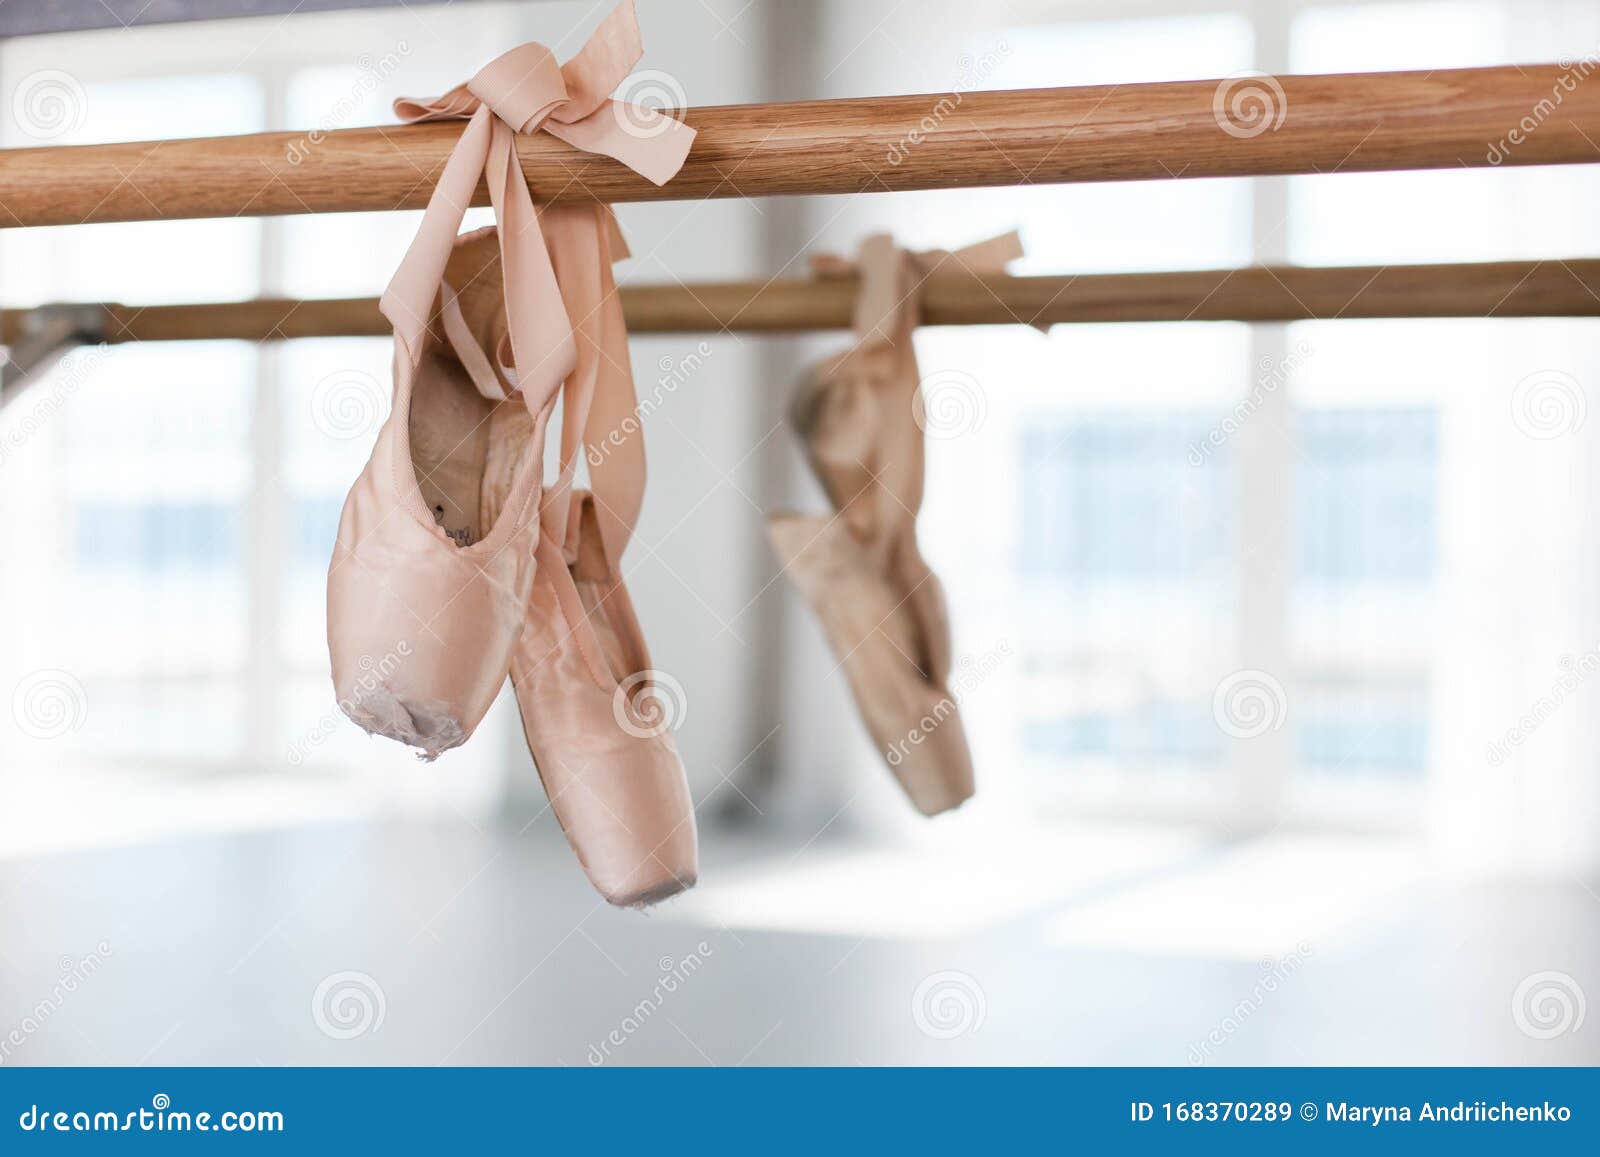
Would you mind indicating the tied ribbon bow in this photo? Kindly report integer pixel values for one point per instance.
(889, 301)
(524, 91)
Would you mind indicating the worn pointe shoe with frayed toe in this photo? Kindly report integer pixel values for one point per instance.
(436, 552)
(425, 593)
(540, 594)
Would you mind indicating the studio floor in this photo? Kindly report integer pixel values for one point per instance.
(409, 943)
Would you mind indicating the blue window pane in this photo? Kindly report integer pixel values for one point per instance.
(1345, 743)
(157, 536)
(314, 523)
(1120, 496)
(1155, 732)
(1365, 495)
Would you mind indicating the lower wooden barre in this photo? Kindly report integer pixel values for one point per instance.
(1558, 288)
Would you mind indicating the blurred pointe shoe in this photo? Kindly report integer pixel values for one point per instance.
(881, 607)
(910, 714)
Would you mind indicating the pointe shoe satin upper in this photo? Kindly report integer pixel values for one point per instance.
(598, 727)
(455, 566)
(425, 595)
(581, 669)
(881, 607)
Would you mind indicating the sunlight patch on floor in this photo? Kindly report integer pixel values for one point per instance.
(952, 889)
(1291, 893)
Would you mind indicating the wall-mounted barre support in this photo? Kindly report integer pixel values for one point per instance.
(1450, 118)
(35, 338)
(1560, 288)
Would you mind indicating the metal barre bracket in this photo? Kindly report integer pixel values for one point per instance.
(47, 332)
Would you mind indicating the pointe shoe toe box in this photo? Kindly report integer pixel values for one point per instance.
(420, 636)
(627, 813)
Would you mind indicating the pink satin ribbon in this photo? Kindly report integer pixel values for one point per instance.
(526, 91)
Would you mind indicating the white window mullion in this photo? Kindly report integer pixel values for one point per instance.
(265, 673)
(1260, 764)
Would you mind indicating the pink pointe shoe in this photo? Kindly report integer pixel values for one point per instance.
(598, 727)
(882, 608)
(590, 709)
(426, 592)
(511, 337)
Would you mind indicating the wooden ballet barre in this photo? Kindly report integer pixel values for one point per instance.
(1561, 288)
(1361, 122)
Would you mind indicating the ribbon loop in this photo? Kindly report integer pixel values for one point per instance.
(522, 86)
(522, 91)
(529, 90)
